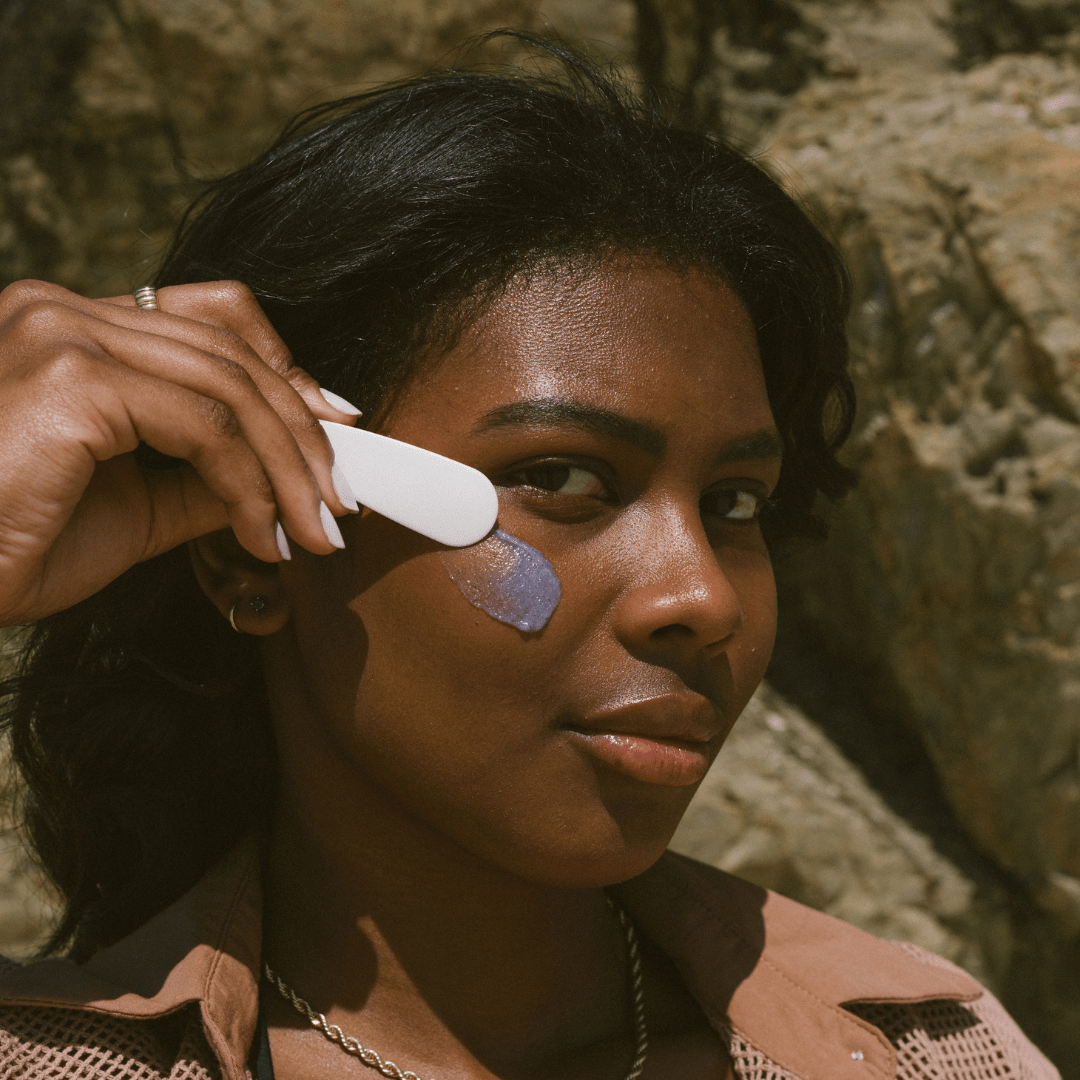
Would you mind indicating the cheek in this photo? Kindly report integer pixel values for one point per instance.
(452, 641)
(455, 715)
(507, 579)
(751, 573)
(455, 718)
(444, 682)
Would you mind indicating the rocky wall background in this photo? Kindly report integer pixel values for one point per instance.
(921, 775)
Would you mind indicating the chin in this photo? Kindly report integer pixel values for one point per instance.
(596, 869)
(605, 848)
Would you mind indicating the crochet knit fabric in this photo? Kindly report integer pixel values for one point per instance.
(934, 1040)
(72, 1044)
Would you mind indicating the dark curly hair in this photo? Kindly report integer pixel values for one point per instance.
(372, 232)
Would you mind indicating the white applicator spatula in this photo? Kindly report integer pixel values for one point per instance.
(436, 496)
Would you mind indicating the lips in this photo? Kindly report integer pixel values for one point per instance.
(665, 741)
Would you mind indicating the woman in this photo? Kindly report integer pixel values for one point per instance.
(381, 801)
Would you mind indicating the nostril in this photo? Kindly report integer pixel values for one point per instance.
(662, 614)
(672, 632)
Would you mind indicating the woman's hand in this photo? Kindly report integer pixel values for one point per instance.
(205, 379)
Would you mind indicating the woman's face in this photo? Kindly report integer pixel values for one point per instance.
(623, 417)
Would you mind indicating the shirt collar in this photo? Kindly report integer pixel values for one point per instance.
(204, 948)
(773, 970)
(778, 973)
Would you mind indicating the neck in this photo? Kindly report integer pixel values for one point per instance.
(411, 935)
(388, 926)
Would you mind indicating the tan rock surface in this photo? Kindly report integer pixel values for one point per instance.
(952, 578)
(782, 807)
(954, 566)
(89, 195)
(26, 912)
(26, 906)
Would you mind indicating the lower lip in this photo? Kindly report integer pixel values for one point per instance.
(667, 762)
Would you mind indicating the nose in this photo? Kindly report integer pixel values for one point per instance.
(681, 601)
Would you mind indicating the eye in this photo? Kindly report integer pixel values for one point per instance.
(561, 480)
(731, 504)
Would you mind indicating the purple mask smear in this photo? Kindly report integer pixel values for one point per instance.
(507, 578)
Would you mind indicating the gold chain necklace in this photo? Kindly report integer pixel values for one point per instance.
(393, 1072)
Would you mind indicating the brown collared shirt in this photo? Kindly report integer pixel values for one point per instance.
(797, 995)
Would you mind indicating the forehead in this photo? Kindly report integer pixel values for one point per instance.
(639, 338)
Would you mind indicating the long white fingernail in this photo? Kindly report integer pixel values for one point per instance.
(340, 403)
(342, 489)
(330, 526)
(282, 543)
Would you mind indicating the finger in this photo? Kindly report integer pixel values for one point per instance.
(323, 403)
(215, 362)
(120, 405)
(84, 488)
(179, 507)
(243, 333)
(132, 406)
(240, 331)
(231, 306)
(285, 436)
(298, 410)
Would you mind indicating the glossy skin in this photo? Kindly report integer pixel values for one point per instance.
(446, 813)
(436, 795)
(657, 602)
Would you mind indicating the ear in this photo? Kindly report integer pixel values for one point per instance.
(248, 592)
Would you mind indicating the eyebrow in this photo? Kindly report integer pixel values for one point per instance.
(576, 414)
(760, 446)
(763, 445)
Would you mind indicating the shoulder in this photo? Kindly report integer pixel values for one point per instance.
(949, 1035)
(51, 1042)
(815, 996)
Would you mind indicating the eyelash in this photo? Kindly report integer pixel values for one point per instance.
(560, 467)
(519, 479)
(755, 511)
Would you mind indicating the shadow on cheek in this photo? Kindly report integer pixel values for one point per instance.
(506, 578)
